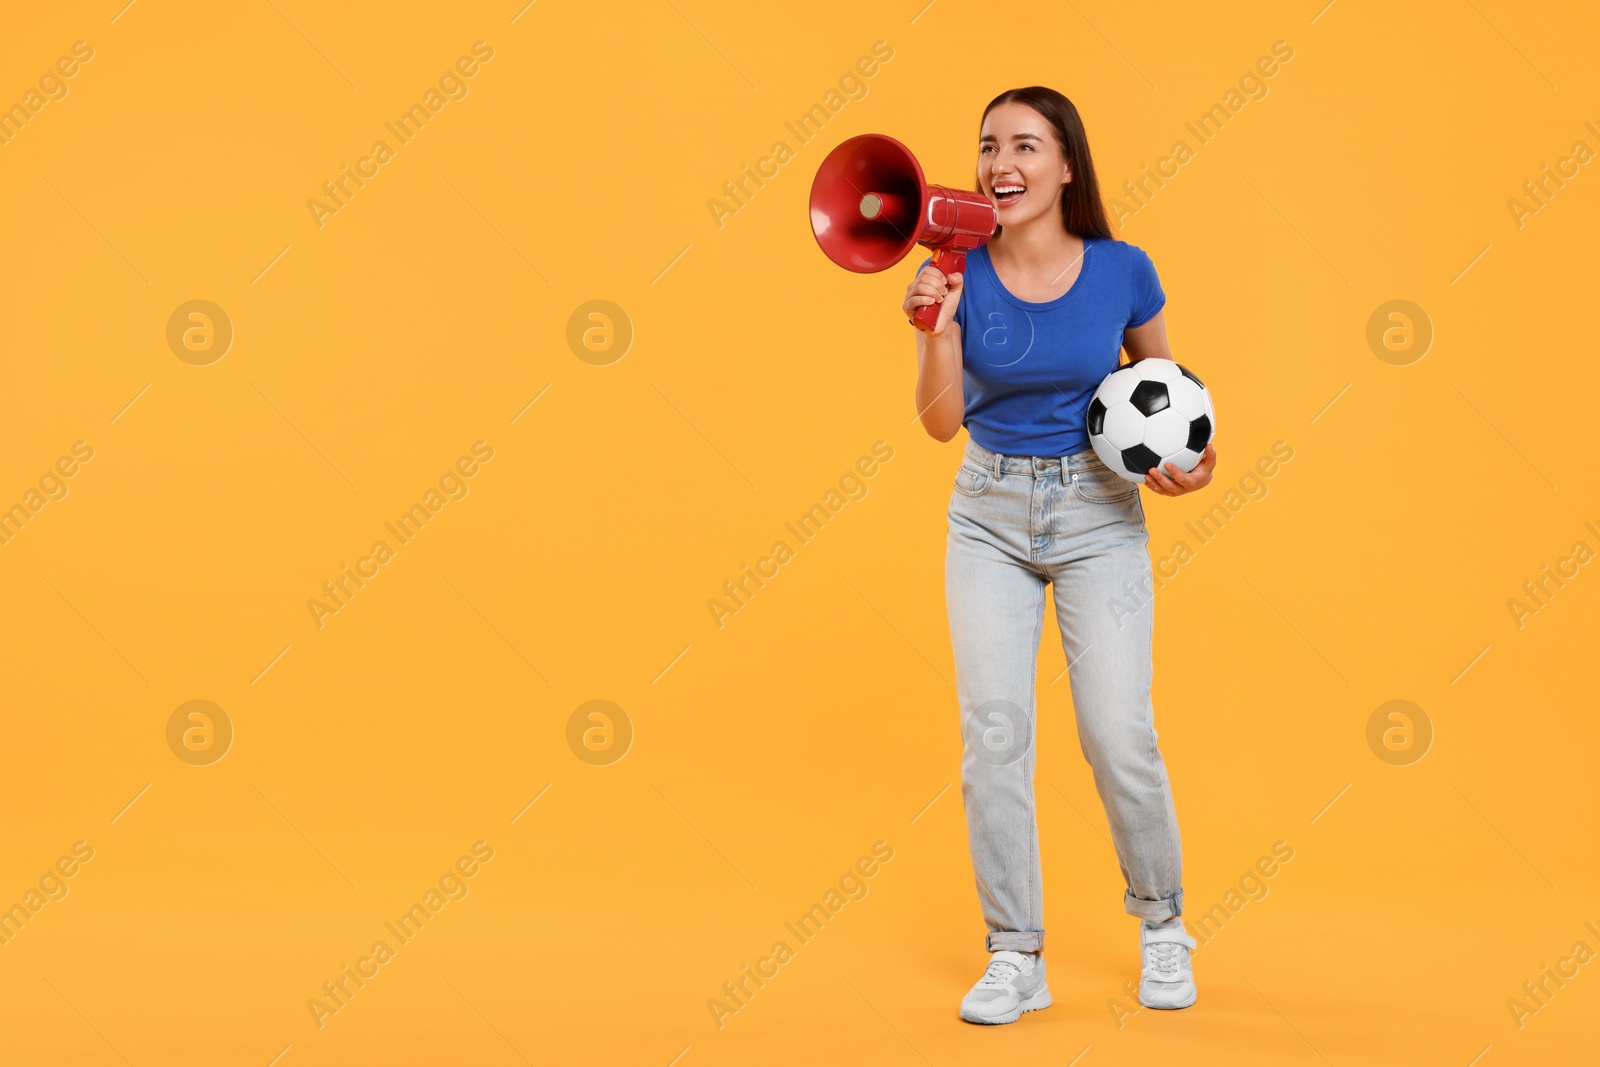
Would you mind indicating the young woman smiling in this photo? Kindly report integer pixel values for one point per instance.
(1020, 346)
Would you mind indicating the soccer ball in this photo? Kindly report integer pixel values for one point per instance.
(1150, 413)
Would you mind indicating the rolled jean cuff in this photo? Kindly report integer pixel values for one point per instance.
(1154, 910)
(1014, 940)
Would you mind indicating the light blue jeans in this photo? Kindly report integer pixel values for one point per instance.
(1017, 522)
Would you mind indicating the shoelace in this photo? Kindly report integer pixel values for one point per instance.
(1000, 973)
(1164, 957)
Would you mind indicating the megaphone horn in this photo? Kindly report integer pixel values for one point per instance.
(870, 205)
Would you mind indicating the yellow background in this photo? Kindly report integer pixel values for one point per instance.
(768, 755)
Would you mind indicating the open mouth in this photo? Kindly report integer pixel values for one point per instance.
(1008, 193)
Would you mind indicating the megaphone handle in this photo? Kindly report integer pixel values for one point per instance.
(948, 263)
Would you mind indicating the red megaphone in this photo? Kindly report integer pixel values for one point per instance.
(870, 205)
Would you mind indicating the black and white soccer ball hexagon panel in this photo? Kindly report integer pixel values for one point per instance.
(1150, 413)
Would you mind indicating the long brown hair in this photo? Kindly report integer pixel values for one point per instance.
(1082, 211)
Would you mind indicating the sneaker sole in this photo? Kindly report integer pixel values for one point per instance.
(1170, 1007)
(1040, 999)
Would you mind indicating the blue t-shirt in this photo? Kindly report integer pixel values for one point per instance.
(1029, 370)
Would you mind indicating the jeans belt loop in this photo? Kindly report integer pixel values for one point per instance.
(1064, 479)
(995, 463)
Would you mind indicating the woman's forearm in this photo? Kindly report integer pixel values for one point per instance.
(940, 403)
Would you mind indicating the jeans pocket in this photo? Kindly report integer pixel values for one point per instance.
(972, 480)
(1098, 484)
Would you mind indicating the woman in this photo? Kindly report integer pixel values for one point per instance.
(1016, 359)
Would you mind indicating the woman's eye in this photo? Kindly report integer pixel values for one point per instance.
(1029, 147)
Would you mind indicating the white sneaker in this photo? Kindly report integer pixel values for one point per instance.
(1168, 979)
(1013, 984)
